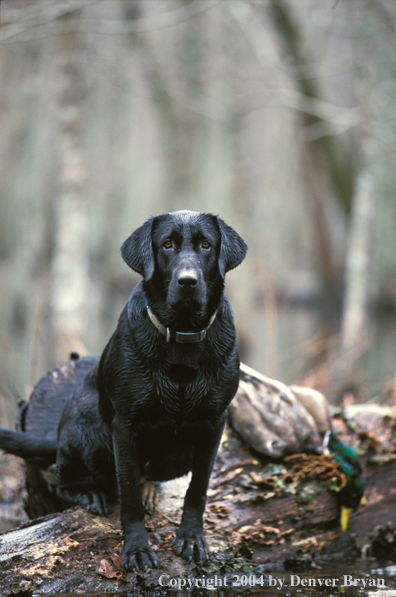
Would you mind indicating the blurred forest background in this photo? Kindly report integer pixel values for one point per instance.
(279, 115)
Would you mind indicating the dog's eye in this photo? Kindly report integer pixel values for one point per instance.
(168, 244)
(205, 244)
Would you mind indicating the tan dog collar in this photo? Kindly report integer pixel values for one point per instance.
(182, 337)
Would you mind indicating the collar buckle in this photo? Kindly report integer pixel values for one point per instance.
(190, 337)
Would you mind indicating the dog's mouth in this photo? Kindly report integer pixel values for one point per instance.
(187, 314)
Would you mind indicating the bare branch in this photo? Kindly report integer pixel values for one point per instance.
(38, 15)
(84, 26)
(333, 119)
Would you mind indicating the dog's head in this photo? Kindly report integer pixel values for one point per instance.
(183, 257)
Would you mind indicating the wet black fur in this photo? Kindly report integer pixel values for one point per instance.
(161, 407)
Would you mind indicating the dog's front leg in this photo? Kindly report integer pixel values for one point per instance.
(136, 553)
(190, 540)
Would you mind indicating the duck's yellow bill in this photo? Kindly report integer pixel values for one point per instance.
(363, 501)
(344, 517)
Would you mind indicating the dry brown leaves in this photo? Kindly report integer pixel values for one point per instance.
(309, 544)
(261, 534)
(115, 569)
(323, 467)
(168, 540)
(220, 511)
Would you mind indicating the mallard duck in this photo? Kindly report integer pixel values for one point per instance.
(351, 495)
(277, 420)
(270, 418)
(316, 404)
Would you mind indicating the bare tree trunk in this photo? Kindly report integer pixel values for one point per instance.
(329, 168)
(357, 279)
(70, 263)
(355, 334)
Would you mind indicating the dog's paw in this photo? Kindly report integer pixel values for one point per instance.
(138, 556)
(191, 546)
(94, 502)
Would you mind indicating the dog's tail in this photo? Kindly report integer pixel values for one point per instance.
(27, 446)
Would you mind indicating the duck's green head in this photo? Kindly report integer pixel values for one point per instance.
(351, 495)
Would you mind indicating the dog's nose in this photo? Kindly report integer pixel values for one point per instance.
(187, 279)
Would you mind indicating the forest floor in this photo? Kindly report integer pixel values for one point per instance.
(261, 516)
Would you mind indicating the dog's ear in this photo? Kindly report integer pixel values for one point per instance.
(137, 250)
(233, 248)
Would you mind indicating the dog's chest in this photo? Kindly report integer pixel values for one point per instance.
(182, 375)
(182, 392)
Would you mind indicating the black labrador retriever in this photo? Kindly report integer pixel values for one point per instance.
(155, 404)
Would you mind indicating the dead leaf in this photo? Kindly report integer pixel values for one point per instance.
(267, 529)
(108, 571)
(168, 539)
(69, 543)
(227, 478)
(117, 561)
(287, 532)
(220, 511)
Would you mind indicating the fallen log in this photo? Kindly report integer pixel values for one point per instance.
(259, 514)
(254, 520)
